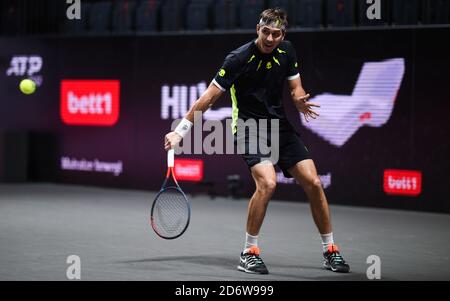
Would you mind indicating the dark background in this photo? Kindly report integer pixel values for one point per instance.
(415, 138)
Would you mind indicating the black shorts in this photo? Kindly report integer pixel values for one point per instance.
(291, 151)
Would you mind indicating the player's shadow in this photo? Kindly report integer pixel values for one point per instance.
(168, 263)
(294, 272)
(198, 259)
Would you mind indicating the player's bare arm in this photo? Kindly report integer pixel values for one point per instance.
(300, 99)
(202, 104)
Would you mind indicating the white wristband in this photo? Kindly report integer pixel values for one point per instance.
(183, 127)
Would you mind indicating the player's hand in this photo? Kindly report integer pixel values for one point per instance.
(305, 107)
(171, 140)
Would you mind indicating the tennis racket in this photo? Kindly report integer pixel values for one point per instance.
(171, 210)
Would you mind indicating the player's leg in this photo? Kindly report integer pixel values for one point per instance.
(265, 180)
(306, 175)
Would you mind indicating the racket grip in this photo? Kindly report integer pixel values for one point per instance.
(170, 157)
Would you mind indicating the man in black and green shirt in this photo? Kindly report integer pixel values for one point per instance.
(255, 74)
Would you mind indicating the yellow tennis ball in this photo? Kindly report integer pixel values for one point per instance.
(27, 86)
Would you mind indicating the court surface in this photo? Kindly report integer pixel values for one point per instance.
(42, 224)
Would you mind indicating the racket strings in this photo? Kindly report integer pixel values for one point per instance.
(171, 213)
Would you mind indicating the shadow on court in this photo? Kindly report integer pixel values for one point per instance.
(277, 271)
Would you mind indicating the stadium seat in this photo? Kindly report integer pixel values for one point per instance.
(225, 14)
(341, 13)
(99, 19)
(249, 11)
(10, 19)
(197, 17)
(173, 15)
(307, 13)
(147, 15)
(123, 16)
(405, 12)
(436, 12)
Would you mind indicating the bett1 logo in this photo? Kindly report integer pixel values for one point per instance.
(402, 182)
(90, 102)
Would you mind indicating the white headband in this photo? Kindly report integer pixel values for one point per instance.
(274, 24)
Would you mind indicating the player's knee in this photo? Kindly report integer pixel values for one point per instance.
(267, 186)
(314, 184)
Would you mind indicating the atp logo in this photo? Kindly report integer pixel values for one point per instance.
(26, 66)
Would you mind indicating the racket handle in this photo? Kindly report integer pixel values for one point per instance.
(170, 157)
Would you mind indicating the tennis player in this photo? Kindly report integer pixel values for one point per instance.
(255, 74)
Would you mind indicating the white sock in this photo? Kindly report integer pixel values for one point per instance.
(250, 241)
(326, 240)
